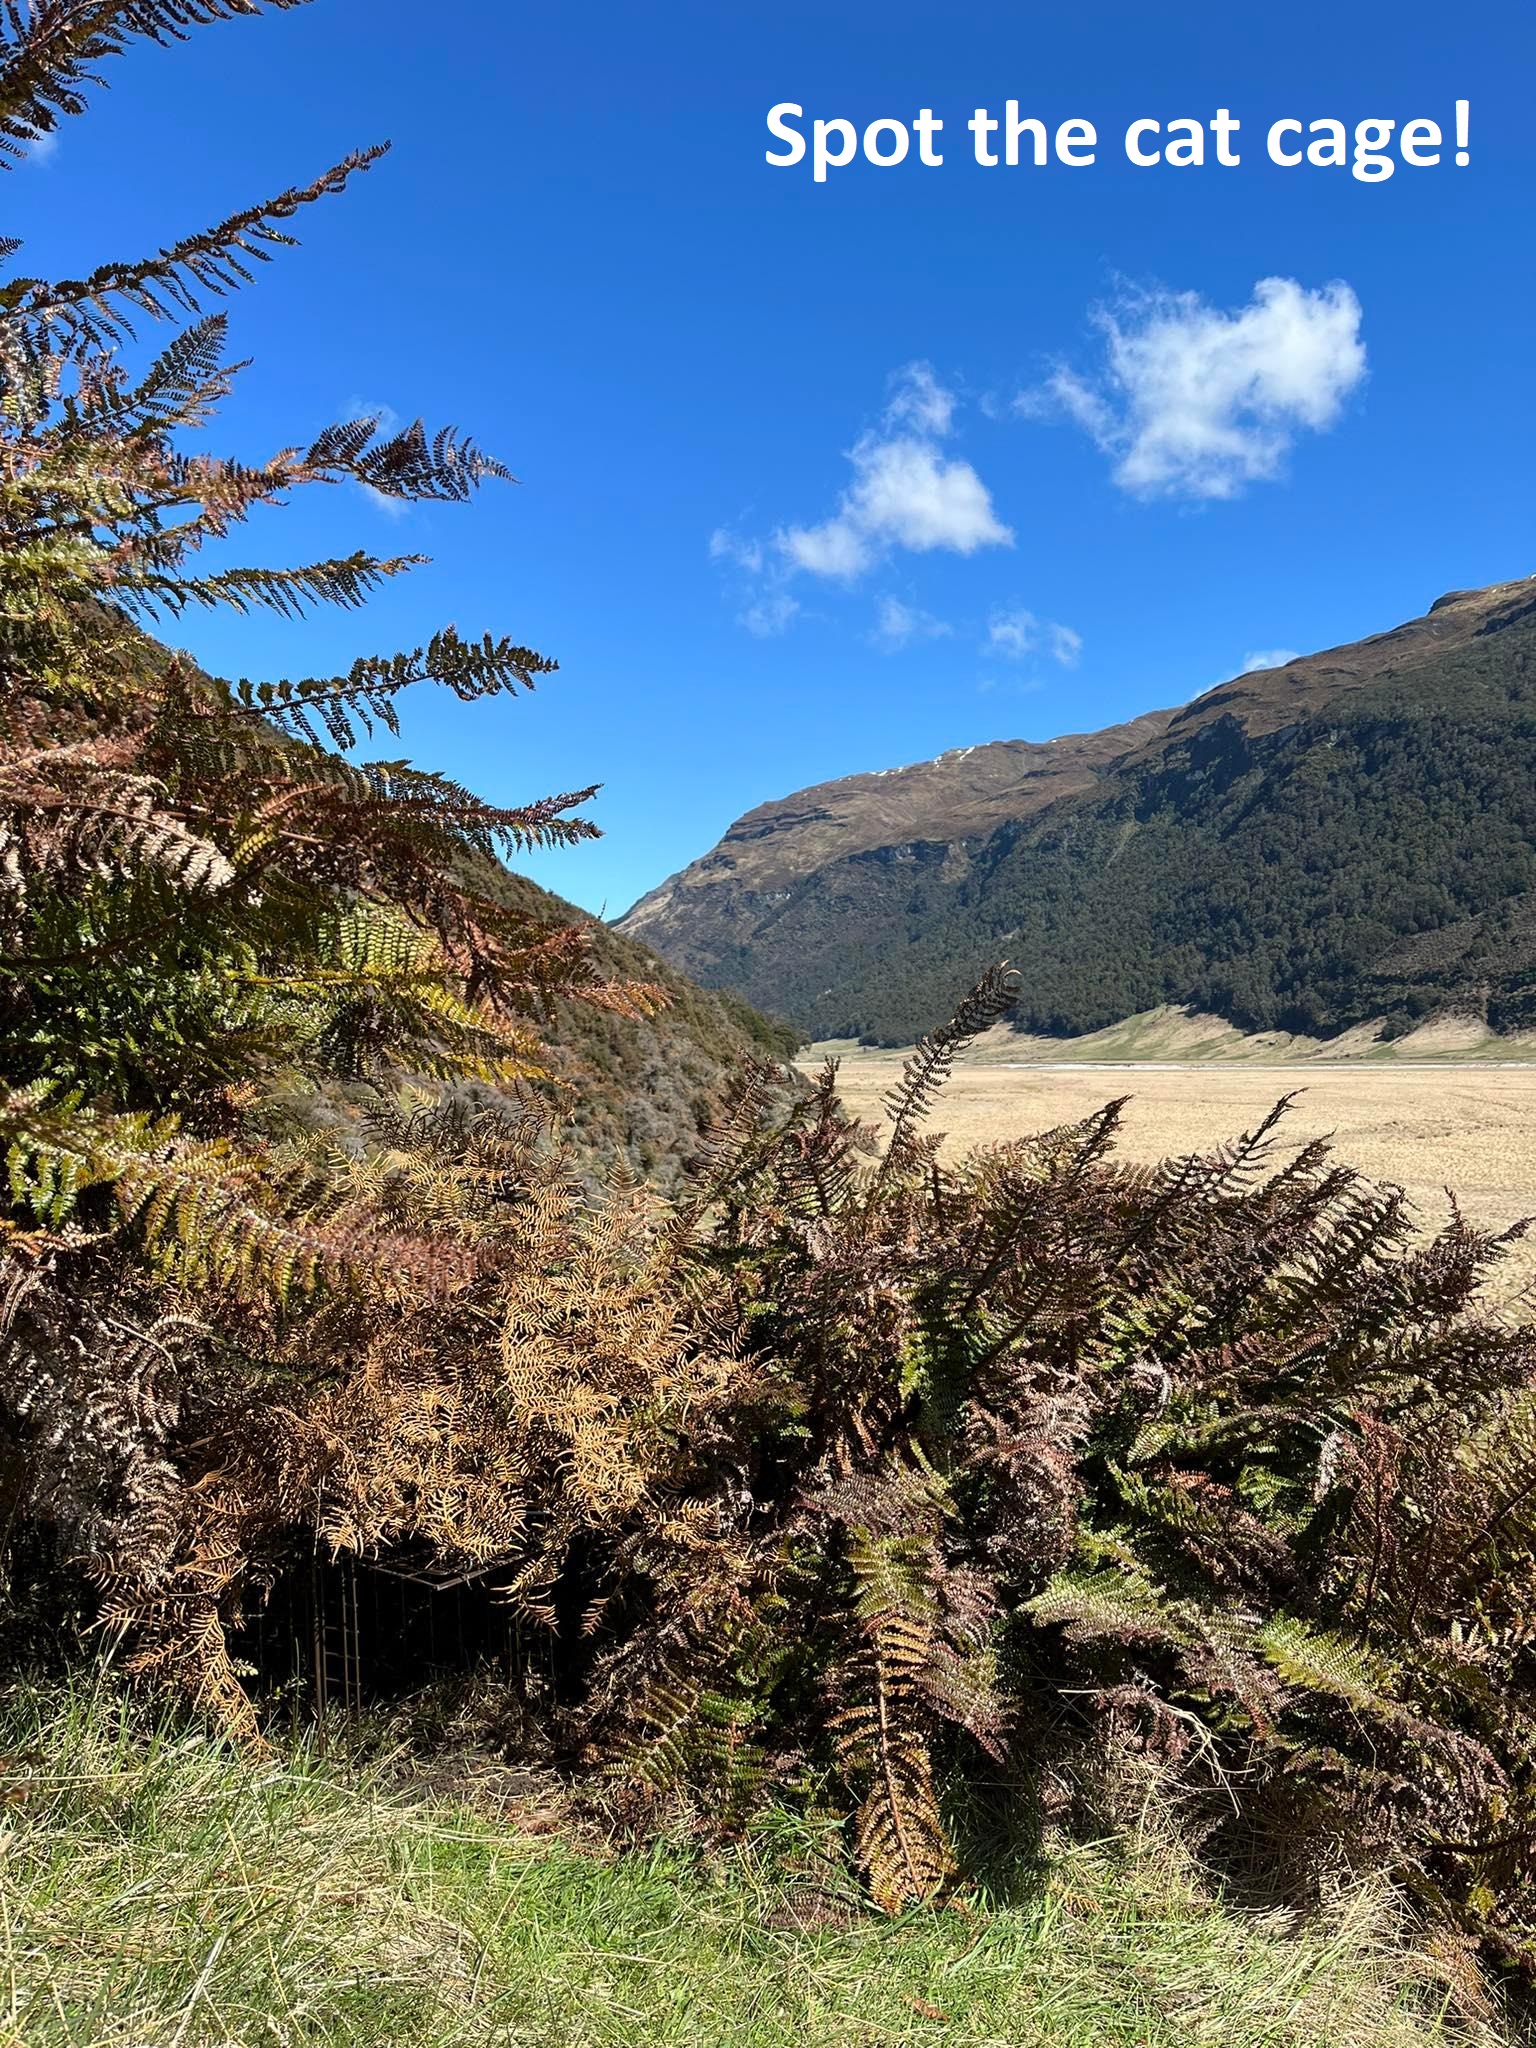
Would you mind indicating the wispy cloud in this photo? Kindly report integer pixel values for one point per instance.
(1194, 402)
(1262, 658)
(1014, 634)
(1064, 645)
(920, 401)
(897, 625)
(725, 546)
(41, 149)
(385, 416)
(770, 615)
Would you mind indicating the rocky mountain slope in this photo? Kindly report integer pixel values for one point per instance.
(1352, 835)
(713, 907)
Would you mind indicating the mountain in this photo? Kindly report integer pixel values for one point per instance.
(644, 1090)
(1348, 837)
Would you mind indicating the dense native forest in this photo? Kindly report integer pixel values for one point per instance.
(931, 1495)
(1373, 860)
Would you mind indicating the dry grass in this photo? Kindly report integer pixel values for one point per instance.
(1472, 1129)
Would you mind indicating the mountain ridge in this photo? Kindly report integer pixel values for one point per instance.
(821, 905)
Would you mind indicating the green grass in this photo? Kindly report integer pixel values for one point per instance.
(157, 1893)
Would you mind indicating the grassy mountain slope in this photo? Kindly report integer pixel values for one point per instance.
(1351, 836)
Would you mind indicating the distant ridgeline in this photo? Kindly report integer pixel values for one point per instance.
(1348, 837)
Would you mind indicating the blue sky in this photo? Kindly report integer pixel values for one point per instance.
(824, 478)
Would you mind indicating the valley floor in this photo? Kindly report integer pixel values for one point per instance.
(1427, 1127)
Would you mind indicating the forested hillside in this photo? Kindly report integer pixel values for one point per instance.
(1349, 837)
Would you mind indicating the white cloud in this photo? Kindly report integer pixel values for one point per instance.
(919, 400)
(1066, 646)
(1195, 402)
(837, 548)
(1014, 634)
(1264, 657)
(725, 546)
(898, 625)
(391, 507)
(770, 615)
(907, 494)
(385, 416)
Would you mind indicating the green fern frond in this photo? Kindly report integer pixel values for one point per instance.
(203, 1213)
(1121, 1604)
(1322, 1660)
(887, 1688)
(899, 1838)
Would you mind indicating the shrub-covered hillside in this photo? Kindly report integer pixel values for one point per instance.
(643, 1089)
